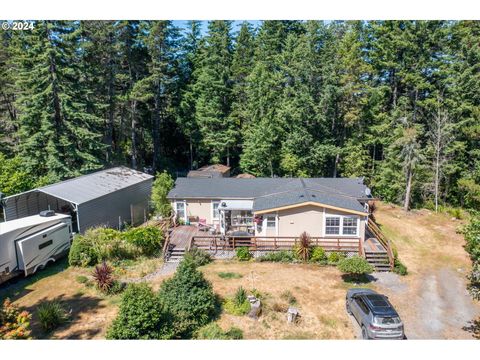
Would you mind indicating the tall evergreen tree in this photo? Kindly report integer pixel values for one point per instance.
(58, 132)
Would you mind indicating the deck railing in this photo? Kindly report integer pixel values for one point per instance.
(271, 243)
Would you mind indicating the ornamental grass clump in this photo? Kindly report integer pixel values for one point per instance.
(303, 247)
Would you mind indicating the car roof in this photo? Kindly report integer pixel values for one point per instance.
(379, 304)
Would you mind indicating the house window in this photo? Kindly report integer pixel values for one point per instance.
(332, 225)
(180, 210)
(349, 226)
(271, 222)
(215, 211)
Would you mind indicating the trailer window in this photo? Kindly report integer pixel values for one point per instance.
(45, 244)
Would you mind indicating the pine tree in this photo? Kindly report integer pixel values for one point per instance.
(58, 132)
(212, 93)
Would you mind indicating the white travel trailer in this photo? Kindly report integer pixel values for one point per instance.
(29, 243)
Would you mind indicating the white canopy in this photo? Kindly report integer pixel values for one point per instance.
(235, 205)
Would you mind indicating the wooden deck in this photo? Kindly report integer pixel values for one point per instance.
(181, 236)
(373, 245)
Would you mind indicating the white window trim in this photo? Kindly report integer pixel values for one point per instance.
(325, 215)
(184, 209)
(211, 210)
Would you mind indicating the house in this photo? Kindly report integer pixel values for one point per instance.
(109, 198)
(210, 171)
(275, 207)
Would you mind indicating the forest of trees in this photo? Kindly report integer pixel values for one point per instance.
(397, 102)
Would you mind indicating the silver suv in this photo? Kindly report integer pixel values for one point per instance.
(375, 315)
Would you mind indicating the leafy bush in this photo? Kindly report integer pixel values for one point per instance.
(102, 274)
(335, 257)
(278, 256)
(141, 316)
(214, 332)
(14, 324)
(149, 239)
(288, 297)
(318, 255)
(243, 254)
(190, 298)
(51, 315)
(303, 247)
(355, 266)
(399, 268)
(198, 256)
(82, 252)
(229, 275)
(474, 285)
(231, 307)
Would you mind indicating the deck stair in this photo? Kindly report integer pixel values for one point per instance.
(377, 248)
(175, 254)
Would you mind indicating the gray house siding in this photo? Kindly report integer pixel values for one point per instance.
(115, 208)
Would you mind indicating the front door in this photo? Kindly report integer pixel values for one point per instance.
(269, 225)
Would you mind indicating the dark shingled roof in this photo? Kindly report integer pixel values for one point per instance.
(270, 193)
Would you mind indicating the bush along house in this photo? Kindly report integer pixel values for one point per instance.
(271, 213)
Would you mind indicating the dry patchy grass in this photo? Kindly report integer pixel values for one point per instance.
(319, 291)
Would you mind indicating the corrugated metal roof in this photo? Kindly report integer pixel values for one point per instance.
(88, 187)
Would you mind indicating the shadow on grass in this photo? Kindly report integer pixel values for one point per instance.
(17, 287)
(358, 279)
(74, 306)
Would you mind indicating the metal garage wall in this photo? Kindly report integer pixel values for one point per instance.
(114, 208)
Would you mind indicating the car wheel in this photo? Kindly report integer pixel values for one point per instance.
(364, 333)
(347, 307)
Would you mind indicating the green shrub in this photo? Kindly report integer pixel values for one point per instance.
(278, 256)
(214, 332)
(318, 255)
(190, 298)
(51, 315)
(288, 297)
(243, 253)
(14, 324)
(82, 252)
(229, 275)
(335, 257)
(240, 296)
(355, 266)
(198, 256)
(399, 268)
(82, 279)
(141, 316)
(457, 213)
(149, 239)
(231, 307)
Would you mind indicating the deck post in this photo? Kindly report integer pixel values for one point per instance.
(275, 243)
(338, 244)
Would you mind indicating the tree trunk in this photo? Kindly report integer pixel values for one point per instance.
(337, 160)
(406, 205)
(134, 134)
(437, 177)
(156, 132)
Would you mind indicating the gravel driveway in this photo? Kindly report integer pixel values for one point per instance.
(433, 305)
